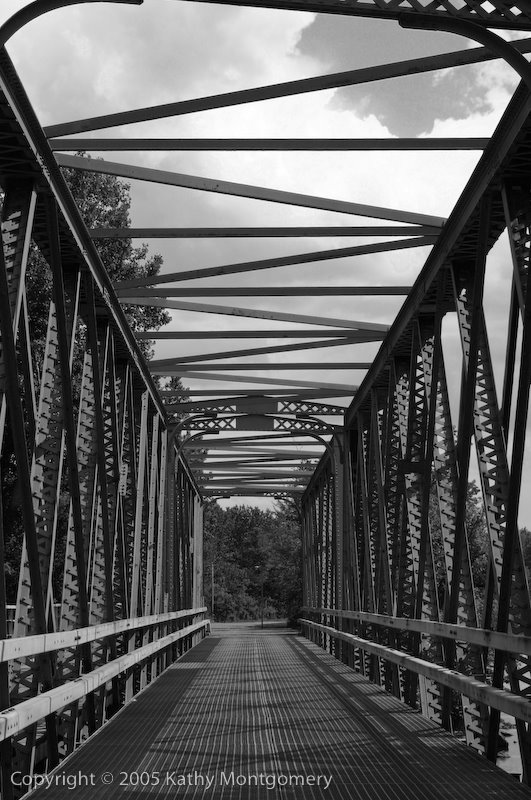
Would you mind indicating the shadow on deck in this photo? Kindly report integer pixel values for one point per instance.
(255, 714)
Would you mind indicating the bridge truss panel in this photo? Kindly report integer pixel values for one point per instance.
(414, 596)
(89, 449)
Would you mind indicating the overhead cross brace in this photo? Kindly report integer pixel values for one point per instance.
(275, 263)
(306, 145)
(269, 291)
(183, 305)
(413, 66)
(243, 190)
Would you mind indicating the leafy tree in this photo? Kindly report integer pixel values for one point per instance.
(257, 562)
(252, 549)
(287, 557)
(104, 201)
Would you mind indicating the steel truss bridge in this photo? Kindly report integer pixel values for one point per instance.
(371, 462)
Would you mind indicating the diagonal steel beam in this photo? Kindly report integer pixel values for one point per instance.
(274, 263)
(206, 308)
(249, 443)
(211, 376)
(413, 66)
(301, 333)
(175, 365)
(263, 350)
(243, 190)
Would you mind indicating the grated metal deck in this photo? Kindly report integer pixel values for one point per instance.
(247, 711)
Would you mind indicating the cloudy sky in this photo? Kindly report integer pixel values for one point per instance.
(99, 59)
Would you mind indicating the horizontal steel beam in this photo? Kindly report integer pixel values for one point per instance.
(255, 484)
(326, 145)
(247, 491)
(253, 473)
(263, 233)
(298, 394)
(270, 291)
(253, 402)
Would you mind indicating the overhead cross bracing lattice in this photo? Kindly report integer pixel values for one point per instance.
(490, 14)
(372, 434)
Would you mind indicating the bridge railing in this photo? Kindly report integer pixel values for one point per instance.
(168, 637)
(475, 688)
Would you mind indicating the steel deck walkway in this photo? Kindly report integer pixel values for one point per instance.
(247, 711)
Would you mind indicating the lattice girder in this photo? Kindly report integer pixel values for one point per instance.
(495, 14)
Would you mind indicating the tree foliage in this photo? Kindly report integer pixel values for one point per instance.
(104, 201)
(247, 546)
(256, 557)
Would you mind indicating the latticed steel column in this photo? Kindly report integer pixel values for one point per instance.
(18, 211)
(444, 481)
(197, 510)
(494, 475)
